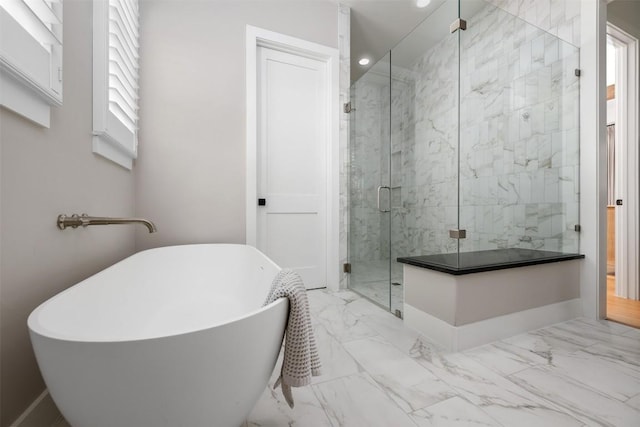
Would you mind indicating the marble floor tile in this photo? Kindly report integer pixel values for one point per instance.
(453, 412)
(347, 296)
(606, 325)
(634, 402)
(588, 405)
(342, 324)
(616, 379)
(502, 358)
(599, 335)
(540, 347)
(425, 351)
(385, 324)
(615, 353)
(363, 307)
(273, 411)
(496, 395)
(409, 384)
(336, 361)
(377, 372)
(320, 299)
(633, 333)
(357, 401)
(564, 338)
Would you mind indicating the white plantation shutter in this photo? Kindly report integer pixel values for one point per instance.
(31, 57)
(115, 80)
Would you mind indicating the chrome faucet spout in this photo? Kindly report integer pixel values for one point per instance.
(84, 220)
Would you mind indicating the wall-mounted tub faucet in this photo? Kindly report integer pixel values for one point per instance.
(75, 220)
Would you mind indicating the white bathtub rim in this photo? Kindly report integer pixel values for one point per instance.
(61, 337)
(36, 327)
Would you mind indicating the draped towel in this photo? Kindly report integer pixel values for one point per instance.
(301, 360)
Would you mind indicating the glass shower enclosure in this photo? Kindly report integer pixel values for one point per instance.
(464, 139)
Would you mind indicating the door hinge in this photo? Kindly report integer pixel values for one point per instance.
(347, 108)
(577, 228)
(458, 24)
(346, 267)
(577, 72)
(458, 234)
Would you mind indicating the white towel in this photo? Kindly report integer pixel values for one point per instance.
(301, 360)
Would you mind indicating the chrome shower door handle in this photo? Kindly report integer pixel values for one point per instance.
(380, 188)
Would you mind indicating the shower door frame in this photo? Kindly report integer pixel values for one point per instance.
(385, 229)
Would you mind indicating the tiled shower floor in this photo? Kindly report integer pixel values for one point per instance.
(371, 280)
(379, 373)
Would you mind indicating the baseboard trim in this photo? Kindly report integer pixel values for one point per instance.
(41, 413)
(457, 338)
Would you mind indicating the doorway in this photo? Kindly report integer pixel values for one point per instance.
(292, 166)
(623, 293)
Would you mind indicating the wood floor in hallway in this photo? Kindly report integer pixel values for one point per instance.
(621, 310)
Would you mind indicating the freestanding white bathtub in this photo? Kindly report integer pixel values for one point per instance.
(174, 336)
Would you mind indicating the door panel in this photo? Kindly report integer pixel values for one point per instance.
(292, 151)
(369, 229)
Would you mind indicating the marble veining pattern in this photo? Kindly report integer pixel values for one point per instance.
(559, 17)
(506, 169)
(577, 373)
(398, 378)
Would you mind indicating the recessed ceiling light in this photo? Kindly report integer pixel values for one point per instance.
(364, 61)
(422, 3)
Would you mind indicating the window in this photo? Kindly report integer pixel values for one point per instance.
(115, 80)
(31, 57)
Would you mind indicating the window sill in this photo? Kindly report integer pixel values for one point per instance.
(24, 101)
(114, 151)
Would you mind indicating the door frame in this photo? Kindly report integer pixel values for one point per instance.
(260, 37)
(627, 225)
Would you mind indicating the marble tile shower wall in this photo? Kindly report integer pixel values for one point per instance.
(519, 141)
(366, 170)
(429, 157)
(403, 168)
(560, 18)
(518, 155)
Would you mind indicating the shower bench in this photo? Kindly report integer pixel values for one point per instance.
(464, 300)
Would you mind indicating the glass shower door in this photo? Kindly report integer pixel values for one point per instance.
(370, 189)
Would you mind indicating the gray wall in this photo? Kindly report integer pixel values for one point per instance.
(46, 172)
(191, 173)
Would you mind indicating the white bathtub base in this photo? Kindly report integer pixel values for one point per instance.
(457, 338)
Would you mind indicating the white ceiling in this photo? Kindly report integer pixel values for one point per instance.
(379, 25)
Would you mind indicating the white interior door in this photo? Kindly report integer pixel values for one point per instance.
(291, 161)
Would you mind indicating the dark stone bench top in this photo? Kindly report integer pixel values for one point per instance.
(489, 260)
